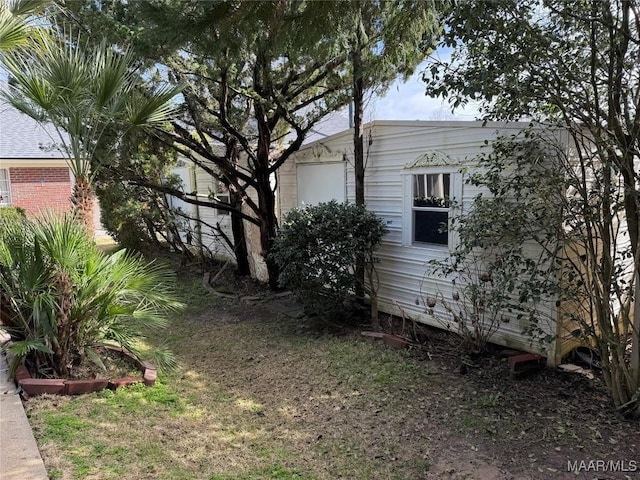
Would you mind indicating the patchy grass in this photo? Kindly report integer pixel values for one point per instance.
(195, 296)
(62, 427)
(260, 395)
(253, 399)
(275, 471)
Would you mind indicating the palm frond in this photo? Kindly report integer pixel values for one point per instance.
(164, 360)
(114, 298)
(21, 348)
(16, 22)
(153, 109)
(94, 358)
(63, 239)
(13, 31)
(114, 80)
(24, 8)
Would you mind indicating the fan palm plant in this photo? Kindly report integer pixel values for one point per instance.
(86, 92)
(16, 21)
(66, 297)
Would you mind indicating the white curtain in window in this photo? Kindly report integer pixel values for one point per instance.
(5, 191)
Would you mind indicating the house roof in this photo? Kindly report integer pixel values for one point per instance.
(419, 126)
(22, 137)
(333, 123)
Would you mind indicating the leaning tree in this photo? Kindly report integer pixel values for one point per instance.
(255, 85)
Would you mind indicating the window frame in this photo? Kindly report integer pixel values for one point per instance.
(6, 179)
(223, 197)
(408, 209)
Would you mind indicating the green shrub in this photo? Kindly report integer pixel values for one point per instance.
(9, 216)
(317, 250)
(62, 297)
(130, 214)
(136, 216)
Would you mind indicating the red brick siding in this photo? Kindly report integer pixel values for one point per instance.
(40, 188)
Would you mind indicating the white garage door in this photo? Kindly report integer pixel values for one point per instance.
(321, 183)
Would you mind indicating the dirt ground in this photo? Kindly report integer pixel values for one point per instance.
(479, 424)
(476, 422)
(265, 392)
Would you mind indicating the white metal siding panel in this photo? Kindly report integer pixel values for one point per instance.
(401, 269)
(206, 185)
(287, 188)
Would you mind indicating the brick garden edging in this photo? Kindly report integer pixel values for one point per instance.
(523, 364)
(37, 386)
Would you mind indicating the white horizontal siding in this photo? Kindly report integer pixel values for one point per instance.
(503, 336)
(207, 185)
(202, 184)
(401, 269)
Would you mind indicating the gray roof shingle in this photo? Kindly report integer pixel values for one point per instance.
(333, 123)
(23, 137)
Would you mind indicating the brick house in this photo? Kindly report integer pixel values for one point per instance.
(33, 174)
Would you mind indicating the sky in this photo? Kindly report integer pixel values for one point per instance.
(407, 101)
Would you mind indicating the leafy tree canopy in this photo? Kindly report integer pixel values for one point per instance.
(574, 64)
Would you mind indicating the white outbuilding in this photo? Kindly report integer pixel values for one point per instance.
(409, 166)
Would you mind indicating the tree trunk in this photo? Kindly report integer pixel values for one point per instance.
(82, 200)
(358, 152)
(358, 141)
(66, 331)
(632, 215)
(240, 249)
(239, 237)
(268, 224)
(266, 199)
(634, 362)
